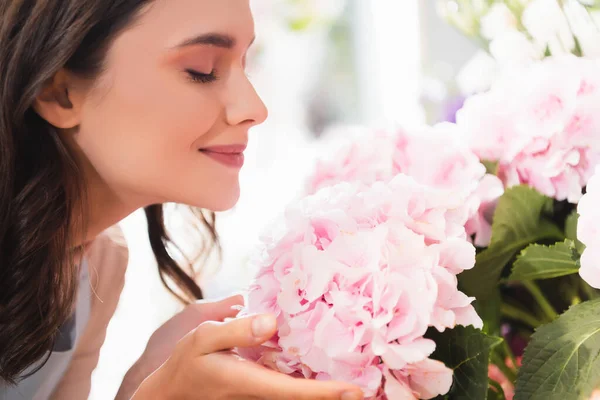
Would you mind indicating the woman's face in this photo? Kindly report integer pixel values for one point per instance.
(168, 119)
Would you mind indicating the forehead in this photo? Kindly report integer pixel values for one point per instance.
(163, 25)
(166, 23)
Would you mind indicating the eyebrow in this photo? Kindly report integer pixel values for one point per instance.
(211, 39)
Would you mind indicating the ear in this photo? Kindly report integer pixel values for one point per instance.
(58, 102)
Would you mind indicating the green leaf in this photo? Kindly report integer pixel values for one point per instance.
(571, 230)
(562, 360)
(466, 351)
(491, 166)
(545, 262)
(519, 220)
(489, 311)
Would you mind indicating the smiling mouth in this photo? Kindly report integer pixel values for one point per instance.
(229, 155)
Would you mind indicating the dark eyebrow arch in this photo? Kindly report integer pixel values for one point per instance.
(210, 39)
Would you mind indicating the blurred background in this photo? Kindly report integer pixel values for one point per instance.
(321, 66)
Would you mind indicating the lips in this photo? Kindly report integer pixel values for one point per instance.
(229, 155)
(225, 149)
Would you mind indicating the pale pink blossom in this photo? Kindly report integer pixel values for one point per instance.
(356, 274)
(367, 159)
(508, 387)
(496, 374)
(424, 380)
(588, 231)
(541, 123)
(489, 190)
(433, 156)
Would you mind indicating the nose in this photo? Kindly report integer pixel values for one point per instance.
(244, 105)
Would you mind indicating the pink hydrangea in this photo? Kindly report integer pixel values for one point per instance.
(433, 156)
(496, 374)
(588, 231)
(366, 159)
(356, 275)
(541, 123)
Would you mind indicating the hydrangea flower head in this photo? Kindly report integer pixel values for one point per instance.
(541, 123)
(588, 231)
(433, 156)
(356, 275)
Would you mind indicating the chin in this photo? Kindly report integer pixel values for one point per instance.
(218, 202)
(221, 207)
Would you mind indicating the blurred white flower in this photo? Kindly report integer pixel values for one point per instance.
(514, 48)
(584, 27)
(547, 24)
(459, 15)
(478, 74)
(498, 20)
(595, 15)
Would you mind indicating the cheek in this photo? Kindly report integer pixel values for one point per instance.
(139, 131)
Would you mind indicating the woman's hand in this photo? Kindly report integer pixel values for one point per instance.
(203, 367)
(163, 340)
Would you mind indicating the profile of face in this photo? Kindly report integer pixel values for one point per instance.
(168, 118)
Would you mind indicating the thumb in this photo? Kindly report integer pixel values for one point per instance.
(212, 337)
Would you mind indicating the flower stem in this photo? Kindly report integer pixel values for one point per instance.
(541, 300)
(517, 314)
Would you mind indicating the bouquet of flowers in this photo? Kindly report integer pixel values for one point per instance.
(457, 261)
(362, 279)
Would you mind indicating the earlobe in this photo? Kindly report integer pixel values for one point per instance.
(55, 103)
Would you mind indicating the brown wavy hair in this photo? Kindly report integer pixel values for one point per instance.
(41, 185)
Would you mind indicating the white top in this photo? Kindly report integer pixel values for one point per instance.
(41, 385)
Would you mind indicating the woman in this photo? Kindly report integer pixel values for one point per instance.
(108, 106)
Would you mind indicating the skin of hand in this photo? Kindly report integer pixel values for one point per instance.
(202, 366)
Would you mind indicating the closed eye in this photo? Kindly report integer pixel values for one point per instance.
(200, 77)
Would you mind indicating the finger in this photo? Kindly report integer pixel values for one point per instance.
(200, 312)
(212, 337)
(219, 310)
(234, 300)
(267, 384)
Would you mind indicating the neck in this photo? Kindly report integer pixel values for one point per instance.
(104, 209)
(103, 205)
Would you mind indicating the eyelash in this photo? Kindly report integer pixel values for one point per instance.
(199, 77)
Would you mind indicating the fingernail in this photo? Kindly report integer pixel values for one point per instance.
(263, 325)
(351, 396)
